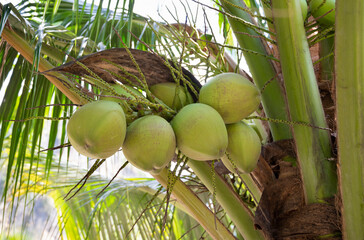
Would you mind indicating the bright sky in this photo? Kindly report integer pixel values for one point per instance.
(160, 7)
(155, 8)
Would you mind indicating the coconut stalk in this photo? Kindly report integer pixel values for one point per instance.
(194, 206)
(256, 58)
(313, 145)
(227, 198)
(251, 186)
(349, 74)
(327, 63)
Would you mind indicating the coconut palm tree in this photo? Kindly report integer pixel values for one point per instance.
(308, 180)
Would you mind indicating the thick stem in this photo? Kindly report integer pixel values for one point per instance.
(261, 67)
(228, 199)
(195, 207)
(349, 57)
(312, 144)
(250, 184)
(327, 64)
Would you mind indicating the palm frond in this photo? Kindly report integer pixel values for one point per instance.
(115, 214)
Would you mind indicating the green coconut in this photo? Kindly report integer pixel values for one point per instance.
(150, 143)
(232, 95)
(243, 149)
(200, 132)
(171, 94)
(122, 91)
(304, 9)
(97, 129)
(323, 11)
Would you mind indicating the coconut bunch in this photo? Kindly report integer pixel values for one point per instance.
(209, 129)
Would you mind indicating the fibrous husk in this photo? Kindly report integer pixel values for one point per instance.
(153, 67)
(282, 212)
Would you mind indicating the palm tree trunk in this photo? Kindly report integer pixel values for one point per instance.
(349, 53)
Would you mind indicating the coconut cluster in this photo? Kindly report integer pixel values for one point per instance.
(209, 129)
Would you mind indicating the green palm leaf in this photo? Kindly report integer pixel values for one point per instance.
(115, 213)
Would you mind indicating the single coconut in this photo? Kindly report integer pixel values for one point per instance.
(303, 9)
(150, 143)
(200, 132)
(121, 90)
(243, 149)
(323, 11)
(97, 129)
(232, 95)
(171, 94)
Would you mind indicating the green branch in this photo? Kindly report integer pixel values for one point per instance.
(327, 59)
(349, 53)
(312, 144)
